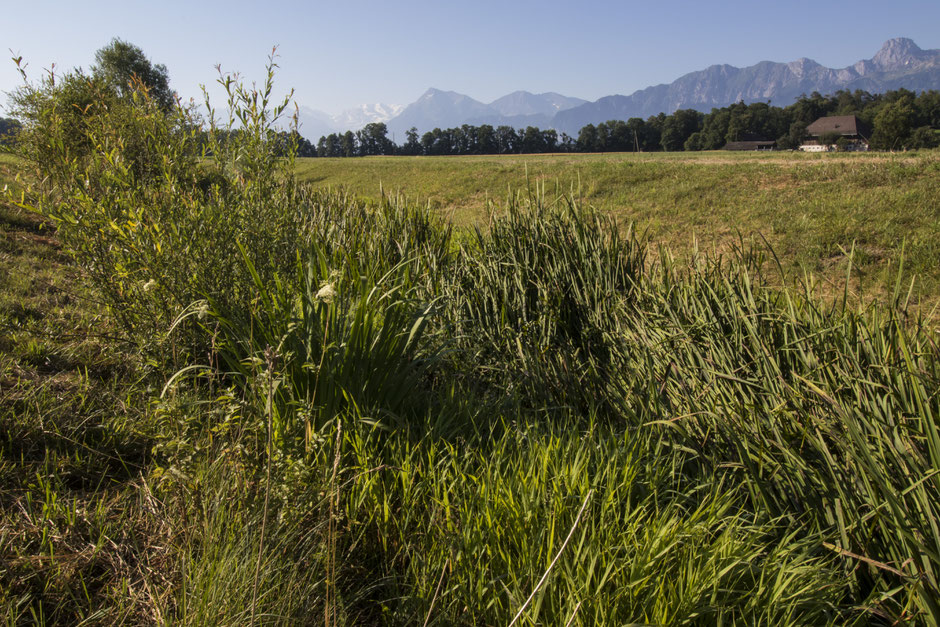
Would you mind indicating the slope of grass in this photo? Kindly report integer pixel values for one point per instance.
(70, 452)
(811, 208)
(101, 514)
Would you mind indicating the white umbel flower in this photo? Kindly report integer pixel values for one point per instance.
(326, 293)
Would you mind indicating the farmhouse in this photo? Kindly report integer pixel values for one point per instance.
(750, 141)
(850, 133)
(757, 144)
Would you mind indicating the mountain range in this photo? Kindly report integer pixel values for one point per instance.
(442, 109)
(446, 109)
(899, 63)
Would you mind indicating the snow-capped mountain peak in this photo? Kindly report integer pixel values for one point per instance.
(358, 117)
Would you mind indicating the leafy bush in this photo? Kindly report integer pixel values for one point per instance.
(8, 130)
(153, 209)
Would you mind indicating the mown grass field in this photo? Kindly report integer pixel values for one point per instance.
(810, 208)
(72, 445)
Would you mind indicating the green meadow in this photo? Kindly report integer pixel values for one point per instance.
(810, 209)
(560, 390)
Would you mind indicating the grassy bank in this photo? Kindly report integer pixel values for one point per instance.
(700, 448)
(71, 451)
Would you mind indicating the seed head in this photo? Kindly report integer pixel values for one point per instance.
(326, 293)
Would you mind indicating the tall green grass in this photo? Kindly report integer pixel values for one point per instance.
(800, 437)
(827, 416)
(535, 297)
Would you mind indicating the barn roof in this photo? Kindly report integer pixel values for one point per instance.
(841, 124)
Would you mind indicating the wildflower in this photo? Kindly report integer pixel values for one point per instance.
(149, 285)
(326, 293)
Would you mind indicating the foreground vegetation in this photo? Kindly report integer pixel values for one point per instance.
(234, 399)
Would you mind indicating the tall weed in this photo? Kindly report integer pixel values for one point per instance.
(826, 416)
(343, 343)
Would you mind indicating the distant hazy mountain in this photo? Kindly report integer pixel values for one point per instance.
(355, 119)
(524, 103)
(447, 109)
(899, 63)
(315, 124)
(436, 108)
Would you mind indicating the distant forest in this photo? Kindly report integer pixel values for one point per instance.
(899, 120)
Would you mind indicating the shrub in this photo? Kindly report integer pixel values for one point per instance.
(152, 207)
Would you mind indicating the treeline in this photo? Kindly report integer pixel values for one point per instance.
(899, 120)
(462, 140)
(8, 129)
(282, 142)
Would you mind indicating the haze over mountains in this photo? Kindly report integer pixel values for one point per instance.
(314, 123)
(899, 63)
(442, 109)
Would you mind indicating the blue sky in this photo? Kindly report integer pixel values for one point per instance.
(339, 54)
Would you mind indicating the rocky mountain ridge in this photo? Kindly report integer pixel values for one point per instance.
(899, 63)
